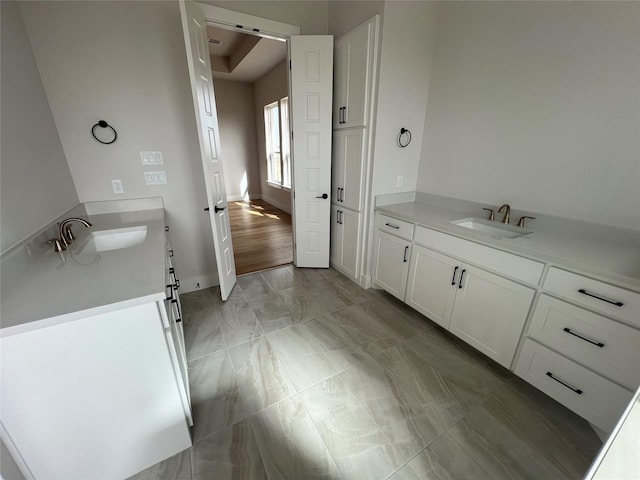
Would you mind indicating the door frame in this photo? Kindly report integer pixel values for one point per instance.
(262, 27)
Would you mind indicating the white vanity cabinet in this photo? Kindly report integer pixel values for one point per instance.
(100, 391)
(391, 254)
(98, 397)
(485, 310)
(583, 346)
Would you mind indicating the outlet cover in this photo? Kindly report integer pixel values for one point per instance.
(155, 178)
(117, 186)
(148, 157)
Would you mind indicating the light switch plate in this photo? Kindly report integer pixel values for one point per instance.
(148, 157)
(117, 186)
(155, 178)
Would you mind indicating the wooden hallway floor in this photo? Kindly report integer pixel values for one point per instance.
(262, 236)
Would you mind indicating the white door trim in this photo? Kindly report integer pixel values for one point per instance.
(244, 22)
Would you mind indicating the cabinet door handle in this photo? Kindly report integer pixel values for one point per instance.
(597, 344)
(453, 279)
(461, 277)
(342, 194)
(406, 249)
(577, 390)
(392, 226)
(344, 117)
(593, 295)
(341, 217)
(166, 228)
(171, 253)
(170, 287)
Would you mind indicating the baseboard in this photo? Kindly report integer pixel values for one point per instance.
(276, 203)
(240, 198)
(198, 282)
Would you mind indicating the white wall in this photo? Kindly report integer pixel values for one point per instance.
(408, 41)
(537, 104)
(36, 185)
(345, 15)
(125, 62)
(237, 120)
(270, 88)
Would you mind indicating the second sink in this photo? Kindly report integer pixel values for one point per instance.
(105, 240)
(493, 229)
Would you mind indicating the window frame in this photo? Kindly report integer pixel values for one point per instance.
(278, 171)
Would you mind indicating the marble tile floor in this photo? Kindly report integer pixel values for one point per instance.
(301, 374)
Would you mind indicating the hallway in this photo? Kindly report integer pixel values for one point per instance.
(262, 236)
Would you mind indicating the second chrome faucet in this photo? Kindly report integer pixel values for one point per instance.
(65, 234)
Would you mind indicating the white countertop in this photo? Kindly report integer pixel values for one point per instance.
(606, 252)
(40, 288)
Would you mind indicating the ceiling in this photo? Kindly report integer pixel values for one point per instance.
(243, 58)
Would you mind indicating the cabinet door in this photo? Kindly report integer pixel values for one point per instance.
(357, 77)
(391, 263)
(335, 250)
(340, 72)
(489, 313)
(432, 284)
(350, 242)
(346, 171)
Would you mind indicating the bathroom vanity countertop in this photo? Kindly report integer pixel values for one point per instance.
(40, 287)
(606, 252)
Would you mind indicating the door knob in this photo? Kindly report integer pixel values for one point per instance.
(215, 209)
(324, 195)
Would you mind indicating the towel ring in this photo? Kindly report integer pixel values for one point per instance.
(404, 137)
(104, 124)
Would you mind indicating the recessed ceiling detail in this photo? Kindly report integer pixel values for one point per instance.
(241, 57)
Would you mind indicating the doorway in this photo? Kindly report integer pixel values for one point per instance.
(250, 77)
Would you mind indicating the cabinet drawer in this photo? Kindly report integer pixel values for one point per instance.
(591, 396)
(603, 345)
(396, 227)
(602, 297)
(498, 261)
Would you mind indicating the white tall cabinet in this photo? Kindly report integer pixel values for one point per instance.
(354, 74)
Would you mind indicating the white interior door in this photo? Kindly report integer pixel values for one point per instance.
(195, 37)
(311, 86)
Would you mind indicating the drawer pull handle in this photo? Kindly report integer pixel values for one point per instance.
(589, 294)
(461, 277)
(597, 344)
(453, 280)
(406, 249)
(577, 390)
(397, 227)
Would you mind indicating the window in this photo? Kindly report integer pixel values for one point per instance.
(276, 129)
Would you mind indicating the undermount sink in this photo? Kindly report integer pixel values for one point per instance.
(105, 240)
(491, 228)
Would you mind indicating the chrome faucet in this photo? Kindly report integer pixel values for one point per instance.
(64, 229)
(506, 209)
